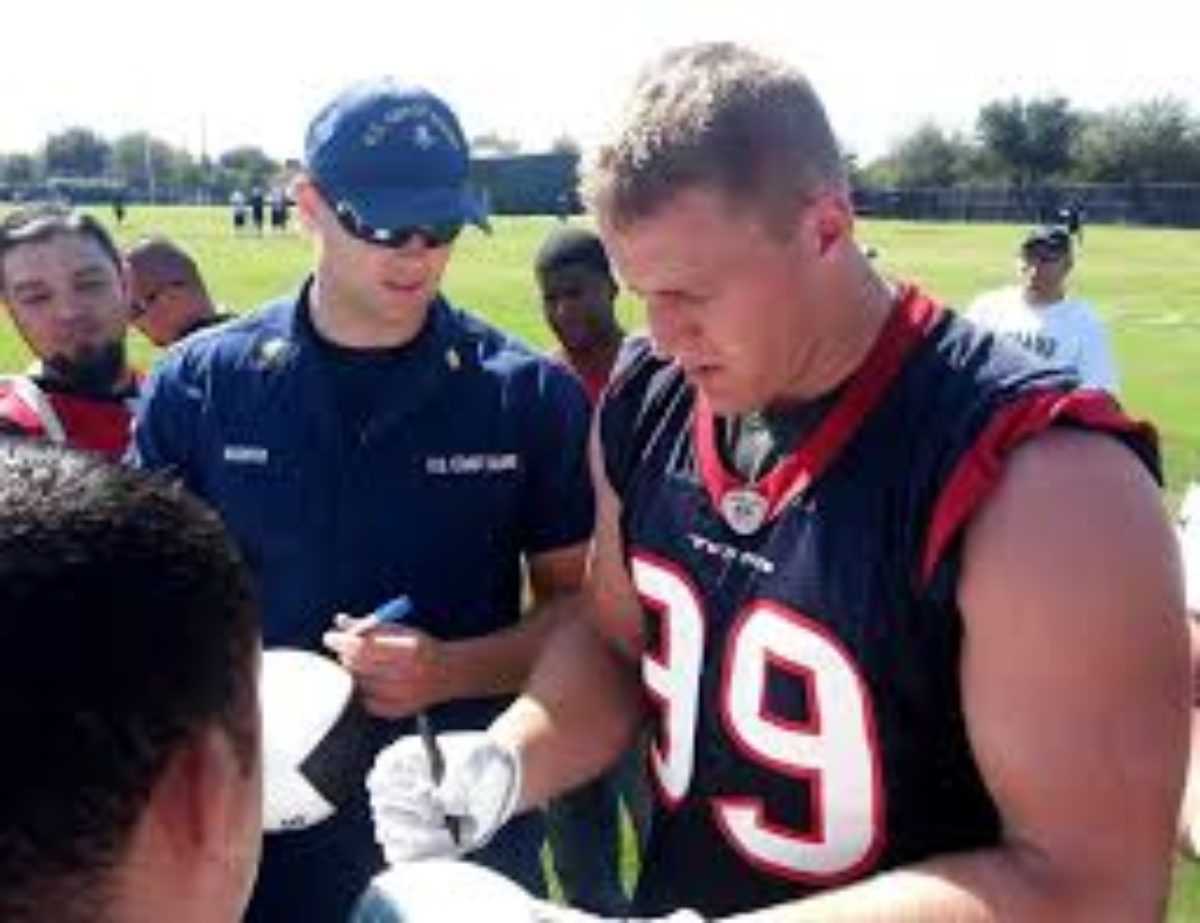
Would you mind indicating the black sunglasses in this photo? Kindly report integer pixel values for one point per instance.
(431, 235)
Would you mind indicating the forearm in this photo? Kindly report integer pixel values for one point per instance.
(1006, 883)
(499, 663)
(579, 713)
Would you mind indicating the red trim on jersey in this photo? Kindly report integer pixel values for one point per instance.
(16, 411)
(980, 468)
(909, 323)
(94, 424)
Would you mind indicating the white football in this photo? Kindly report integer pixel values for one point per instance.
(317, 745)
(443, 891)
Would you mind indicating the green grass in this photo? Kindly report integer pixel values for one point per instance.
(1146, 283)
(1185, 895)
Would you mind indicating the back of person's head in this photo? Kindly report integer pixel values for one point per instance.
(128, 633)
(42, 221)
(716, 116)
(572, 246)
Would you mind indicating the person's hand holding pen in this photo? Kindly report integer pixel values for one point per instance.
(395, 667)
(370, 648)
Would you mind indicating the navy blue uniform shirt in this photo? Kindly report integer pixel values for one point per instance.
(472, 456)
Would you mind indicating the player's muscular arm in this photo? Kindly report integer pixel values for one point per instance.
(1075, 688)
(582, 704)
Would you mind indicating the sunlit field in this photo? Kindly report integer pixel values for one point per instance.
(1145, 283)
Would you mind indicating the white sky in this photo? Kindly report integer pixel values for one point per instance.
(211, 74)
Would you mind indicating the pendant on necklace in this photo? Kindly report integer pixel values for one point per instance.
(745, 509)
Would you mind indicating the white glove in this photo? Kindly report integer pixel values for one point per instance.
(417, 817)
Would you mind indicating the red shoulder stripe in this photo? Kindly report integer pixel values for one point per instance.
(980, 468)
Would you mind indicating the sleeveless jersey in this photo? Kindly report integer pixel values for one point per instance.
(803, 643)
(101, 425)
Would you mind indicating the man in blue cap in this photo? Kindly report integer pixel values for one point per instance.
(363, 438)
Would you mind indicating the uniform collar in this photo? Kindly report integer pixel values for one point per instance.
(436, 354)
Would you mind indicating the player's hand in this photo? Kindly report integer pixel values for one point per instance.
(480, 788)
(395, 669)
(546, 912)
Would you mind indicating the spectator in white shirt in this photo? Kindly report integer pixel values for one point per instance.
(1039, 315)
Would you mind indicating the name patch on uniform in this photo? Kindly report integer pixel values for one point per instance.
(245, 454)
(471, 464)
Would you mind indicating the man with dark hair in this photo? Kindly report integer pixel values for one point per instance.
(578, 301)
(62, 280)
(365, 439)
(170, 297)
(129, 786)
(901, 605)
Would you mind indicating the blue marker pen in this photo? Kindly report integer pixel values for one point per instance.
(394, 612)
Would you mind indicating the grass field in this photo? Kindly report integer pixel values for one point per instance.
(1146, 283)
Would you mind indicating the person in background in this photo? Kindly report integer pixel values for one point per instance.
(366, 439)
(280, 208)
(237, 210)
(579, 297)
(837, 569)
(170, 297)
(258, 209)
(1070, 216)
(1040, 316)
(64, 284)
(130, 784)
(578, 302)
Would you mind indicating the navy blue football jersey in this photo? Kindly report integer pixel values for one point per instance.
(803, 633)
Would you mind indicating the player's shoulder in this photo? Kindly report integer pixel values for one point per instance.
(968, 370)
(638, 367)
(648, 398)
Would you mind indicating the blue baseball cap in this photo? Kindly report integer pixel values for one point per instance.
(394, 156)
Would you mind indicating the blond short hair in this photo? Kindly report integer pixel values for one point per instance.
(716, 116)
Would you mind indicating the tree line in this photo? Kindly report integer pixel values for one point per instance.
(137, 165)
(1023, 143)
(85, 165)
(1027, 143)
